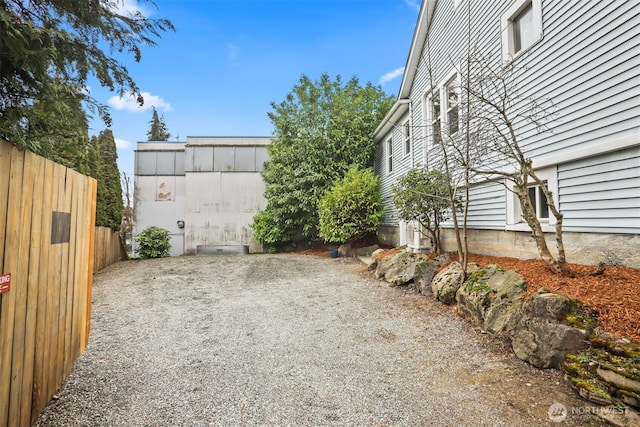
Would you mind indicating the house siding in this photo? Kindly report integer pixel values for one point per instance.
(584, 70)
(602, 194)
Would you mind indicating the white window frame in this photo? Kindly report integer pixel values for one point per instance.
(406, 137)
(507, 28)
(515, 222)
(389, 151)
(442, 120)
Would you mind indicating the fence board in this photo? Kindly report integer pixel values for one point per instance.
(9, 298)
(5, 175)
(42, 350)
(34, 166)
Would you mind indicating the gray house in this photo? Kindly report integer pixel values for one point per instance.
(205, 191)
(583, 58)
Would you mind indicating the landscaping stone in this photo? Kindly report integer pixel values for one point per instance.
(367, 250)
(447, 282)
(540, 334)
(345, 250)
(400, 268)
(375, 258)
(426, 271)
(490, 296)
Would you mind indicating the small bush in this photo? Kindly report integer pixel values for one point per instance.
(153, 242)
(352, 208)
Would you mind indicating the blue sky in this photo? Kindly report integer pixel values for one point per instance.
(229, 59)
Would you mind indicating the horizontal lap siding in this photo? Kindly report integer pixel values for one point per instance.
(487, 207)
(586, 66)
(401, 165)
(602, 194)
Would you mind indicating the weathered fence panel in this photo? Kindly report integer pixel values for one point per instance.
(47, 245)
(108, 248)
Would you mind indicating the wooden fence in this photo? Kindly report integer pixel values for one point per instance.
(108, 248)
(48, 248)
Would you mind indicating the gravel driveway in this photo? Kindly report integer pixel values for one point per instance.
(289, 340)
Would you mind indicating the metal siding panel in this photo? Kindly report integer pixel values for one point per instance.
(245, 159)
(165, 163)
(262, 155)
(145, 162)
(223, 159)
(180, 163)
(202, 159)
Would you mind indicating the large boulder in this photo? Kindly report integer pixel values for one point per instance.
(375, 257)
(400, 268)
(446, 283)
(541, 331)
(490, 296)
(367, 250)
(426, 271)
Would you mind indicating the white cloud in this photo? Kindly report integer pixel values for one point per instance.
(130, 7)
(122, 144)
(391, 75)
(413, 4)
(129, 103)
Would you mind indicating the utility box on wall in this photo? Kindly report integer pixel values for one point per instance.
(205, 191)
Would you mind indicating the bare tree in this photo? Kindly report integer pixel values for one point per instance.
(126, 227)
(499, 115)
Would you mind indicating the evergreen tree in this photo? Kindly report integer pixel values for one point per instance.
(57, 127)
(321, 130)
(157, 128)
(48, 40)
(104, 167)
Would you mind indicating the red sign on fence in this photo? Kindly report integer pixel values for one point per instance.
(5, 282)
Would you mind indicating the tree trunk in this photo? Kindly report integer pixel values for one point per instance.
(529, 215)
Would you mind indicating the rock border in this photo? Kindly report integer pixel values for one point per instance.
(546, 329)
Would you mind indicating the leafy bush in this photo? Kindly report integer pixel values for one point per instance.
(153, 242)
(423, 195)
(352, 208)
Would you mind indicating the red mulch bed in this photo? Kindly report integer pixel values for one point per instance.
(613, 295)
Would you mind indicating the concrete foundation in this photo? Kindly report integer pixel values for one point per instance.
(581, 248)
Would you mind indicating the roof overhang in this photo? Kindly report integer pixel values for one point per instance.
(401, 106)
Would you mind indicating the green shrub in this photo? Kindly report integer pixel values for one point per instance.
(153, 242)
(352, 208)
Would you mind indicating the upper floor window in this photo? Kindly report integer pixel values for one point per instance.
(434, 118)
(521, 27)
(406, 135)
(453, 96)
(389, 155)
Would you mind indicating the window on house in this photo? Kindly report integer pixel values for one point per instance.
(539, 202)
(406, 133)
(521, 27)
(453, 106)
(434, 118)
(389, 155)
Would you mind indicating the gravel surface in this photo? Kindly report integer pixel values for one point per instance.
(289, 339)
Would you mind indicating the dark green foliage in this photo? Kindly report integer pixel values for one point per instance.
(153, 242)
(423, 195)
(322, 128)
(57, 127)
(63, 40)
(352, 209)
(104, 167)
(157, 128)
